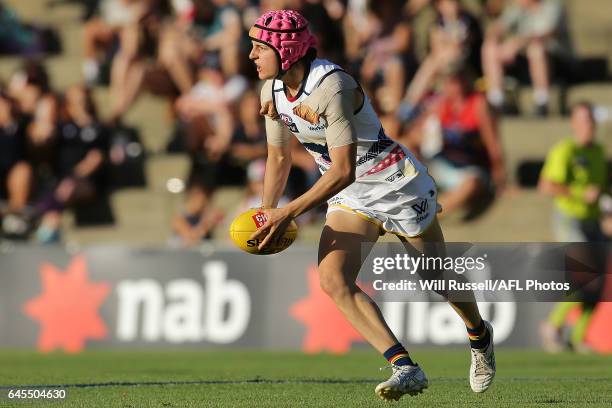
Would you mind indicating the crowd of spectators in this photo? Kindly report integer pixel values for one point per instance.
(195, 53)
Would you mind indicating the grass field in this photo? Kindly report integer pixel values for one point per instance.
(243, 378)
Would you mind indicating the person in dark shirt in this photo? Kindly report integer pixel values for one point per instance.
(81, 147)
(15, 172)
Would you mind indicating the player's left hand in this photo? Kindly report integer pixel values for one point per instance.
(278, 219)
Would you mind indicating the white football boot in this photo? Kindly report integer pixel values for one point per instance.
(482, 369)
(404, 380)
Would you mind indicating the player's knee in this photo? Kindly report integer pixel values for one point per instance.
(334, 285)
(167, 54)
(21, 172)
(536, 49)
(490, 49)
(472, 184)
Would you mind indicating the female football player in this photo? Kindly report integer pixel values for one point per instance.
(372, 185)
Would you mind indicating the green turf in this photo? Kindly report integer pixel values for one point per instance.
(231, 378)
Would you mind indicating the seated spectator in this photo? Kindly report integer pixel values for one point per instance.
(198, 219)
(100, 35)
(180, 44)
(207, 111)
(249, 139)
(388, 61)
(41, 139)
(162, 54)
(138, 45)
(254, 188)
(15, 171)
(470, 160)
(456, 38)
(223, 35)
(81, 150)
(539, 29)
(324, 26)
(27, 85)
(20, 38)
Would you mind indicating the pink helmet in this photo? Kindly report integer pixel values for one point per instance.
(286, 31)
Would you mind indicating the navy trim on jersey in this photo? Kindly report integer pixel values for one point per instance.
(356, 81)
(363, 99)
(328, 74)
(318, 148)
(273, 98)
(302, 86)
(377, 147)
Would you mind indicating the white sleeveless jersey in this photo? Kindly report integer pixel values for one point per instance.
(384, 170)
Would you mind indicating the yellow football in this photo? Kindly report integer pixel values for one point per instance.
(246, 223)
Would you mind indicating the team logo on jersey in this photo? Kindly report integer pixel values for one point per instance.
(398, 175)
(289, 123)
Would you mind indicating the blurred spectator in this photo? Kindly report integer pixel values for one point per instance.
(198, 219)
(180, 48)
(207, 110)
(539, 29)
(249, 139)
(163, 53)
(101, 35)
(41, 138)
(575, 174)
(27, 85)
(254, 187)
(222, 36)
(81, 150)
(456, 38)
(215, 159)
(490, 8)
(20, 38)
(139, 40)
(327, 29)
(381, 42)
(470, 160)
(15, 172)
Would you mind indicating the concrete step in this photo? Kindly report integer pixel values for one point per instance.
(65, 18)
(590, 26)
(525, 139)
(162, 168)
(597, 93)
(517, 216)
(149, 114)
(141, 216)
(63, 71)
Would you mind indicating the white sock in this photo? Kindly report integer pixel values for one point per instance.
(495, 97)
(91, 69)
(540, 96)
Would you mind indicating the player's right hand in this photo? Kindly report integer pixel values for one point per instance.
(268, 109)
